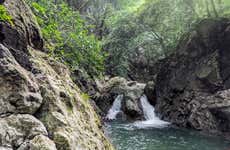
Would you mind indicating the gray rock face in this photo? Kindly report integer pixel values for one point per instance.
(191, 85)
(17, 131)
(84, 82)
(24, 32)
(41, 107)
(19, 93)
(39, 142)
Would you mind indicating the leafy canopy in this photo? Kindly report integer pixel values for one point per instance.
(67, 36)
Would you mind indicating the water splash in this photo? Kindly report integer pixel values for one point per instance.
(149, 114)
(115, 109)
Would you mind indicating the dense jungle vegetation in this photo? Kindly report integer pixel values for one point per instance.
(110, 35)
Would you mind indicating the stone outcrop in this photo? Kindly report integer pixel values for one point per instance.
(132, 92)
(18, 89)
(41, 107)
(21, 131)
(24, 31)
(192, 85)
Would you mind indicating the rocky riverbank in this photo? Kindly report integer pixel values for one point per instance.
(41, 107)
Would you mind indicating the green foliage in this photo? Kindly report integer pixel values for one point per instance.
(118, 44)
(131, 31)
(121, 9)
(149, 30)
(4, 16)
(210, 8)
(68, 37)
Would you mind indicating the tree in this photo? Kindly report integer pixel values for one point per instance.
(154, 27)
(67, 37)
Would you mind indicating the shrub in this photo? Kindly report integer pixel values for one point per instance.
(67, 36)
(4, 16)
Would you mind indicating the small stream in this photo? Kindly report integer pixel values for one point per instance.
(156, 134)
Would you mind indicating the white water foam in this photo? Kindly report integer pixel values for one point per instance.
(151, 118)
(115, 109)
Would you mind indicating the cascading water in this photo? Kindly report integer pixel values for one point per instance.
(149, 114)
(146, 135)
(148, 110)
(115, 109)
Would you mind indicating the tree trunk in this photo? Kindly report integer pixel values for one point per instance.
(214, 8)
(207, 8)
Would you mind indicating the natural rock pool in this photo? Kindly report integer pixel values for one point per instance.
(127, 137)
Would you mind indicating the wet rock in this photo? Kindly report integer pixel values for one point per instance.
(132, 94)
(131, 90)
(108, 93)
(150, 92)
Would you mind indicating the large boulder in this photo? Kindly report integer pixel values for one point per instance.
(41, 107)
(109, 91)
(189, 82)
(131, 91)
(132, 94)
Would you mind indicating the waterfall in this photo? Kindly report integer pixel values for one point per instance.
(151, 119)
(148, 110)
(115, 109)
